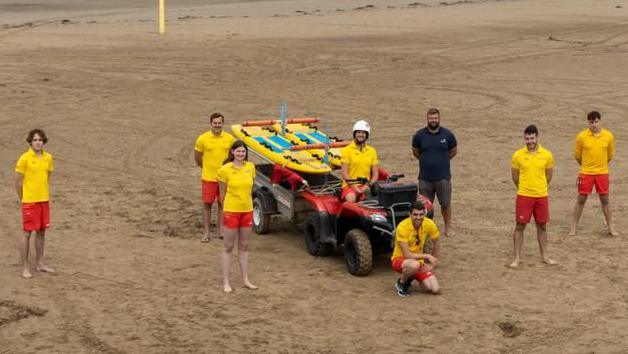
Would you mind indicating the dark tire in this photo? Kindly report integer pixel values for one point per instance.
(358, 252)
(261, 221)
(313, 232)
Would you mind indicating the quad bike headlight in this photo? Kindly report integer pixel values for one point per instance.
(379, 218)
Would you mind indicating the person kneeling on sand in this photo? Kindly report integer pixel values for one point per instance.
(408, 257)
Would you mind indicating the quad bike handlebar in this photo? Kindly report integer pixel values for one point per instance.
(394, 178)
(363, 180)
(359, 180)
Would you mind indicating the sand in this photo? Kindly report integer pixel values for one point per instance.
(123, 105)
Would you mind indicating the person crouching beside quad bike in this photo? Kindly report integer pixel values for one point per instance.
(359, 163)
(408, 257)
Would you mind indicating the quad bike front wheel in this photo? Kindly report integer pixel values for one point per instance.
(358, 252)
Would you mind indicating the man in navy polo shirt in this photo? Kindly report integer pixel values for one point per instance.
(434, 146)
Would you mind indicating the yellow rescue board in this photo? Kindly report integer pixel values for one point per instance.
(265, 141)
(306, 134)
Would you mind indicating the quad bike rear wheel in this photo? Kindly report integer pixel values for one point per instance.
(313, 235)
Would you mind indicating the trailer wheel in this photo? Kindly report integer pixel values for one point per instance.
(261, 221)
(313, 232)
(358, 252)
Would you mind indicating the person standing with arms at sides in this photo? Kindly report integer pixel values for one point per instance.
(235, 180)
(594, 149)
(210, 150)
(434, 146)
(33, 172)
(358, 161)
(532, 168)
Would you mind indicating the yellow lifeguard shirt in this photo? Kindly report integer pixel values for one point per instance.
(215, 149)
(532, 166)
(415, 239)
(35, 170)
(239, 183)
(359, 162)
(594, 151)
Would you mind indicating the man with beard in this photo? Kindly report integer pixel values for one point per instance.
(434, 146)
(593, 150)
(359, 163)
(532, 168)
(210, 151)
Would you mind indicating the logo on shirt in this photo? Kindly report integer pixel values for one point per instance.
(443, 141)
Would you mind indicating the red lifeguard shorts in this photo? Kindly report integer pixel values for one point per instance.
(358, 190)
(36, 216)
(526, 206)
(586, 182)
(397, 266)
(210, 192)
(233, 220)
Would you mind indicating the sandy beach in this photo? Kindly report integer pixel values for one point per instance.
(123, 105)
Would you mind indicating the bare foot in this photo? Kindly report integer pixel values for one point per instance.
(450, 233)
(250, 286)
(44, 269)
(227, 288)
(26, 274)
(613, 232)
(549, 261)
(572, 233)
(205, 239)
(514, 264)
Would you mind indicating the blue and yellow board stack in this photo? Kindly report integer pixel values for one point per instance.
(295, 143)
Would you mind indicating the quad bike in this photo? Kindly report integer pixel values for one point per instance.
(361, 229)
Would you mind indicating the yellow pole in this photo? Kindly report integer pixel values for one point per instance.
(162, 21)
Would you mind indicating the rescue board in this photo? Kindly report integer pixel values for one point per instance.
(261, 137)
(308, 134)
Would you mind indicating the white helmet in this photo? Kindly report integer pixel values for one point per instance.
(363, 126)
